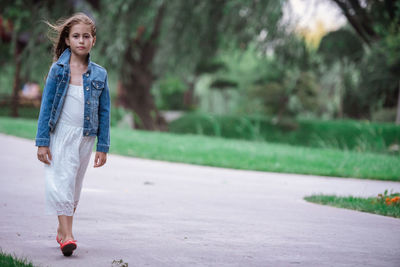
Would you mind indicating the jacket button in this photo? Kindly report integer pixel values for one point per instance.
(87, 88)
(87, 133)
(88, 102)
(87, 74)
(87, 118)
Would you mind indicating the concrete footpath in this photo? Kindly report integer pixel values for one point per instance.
(154, 213)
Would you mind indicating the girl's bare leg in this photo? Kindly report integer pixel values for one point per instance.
(65, 228)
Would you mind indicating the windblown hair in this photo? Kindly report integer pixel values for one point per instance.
(60, 31)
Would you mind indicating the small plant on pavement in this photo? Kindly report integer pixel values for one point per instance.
(119, 263)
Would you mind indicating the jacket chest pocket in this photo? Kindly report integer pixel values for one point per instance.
(97, 88)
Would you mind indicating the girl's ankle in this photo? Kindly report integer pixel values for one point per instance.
(67, 238)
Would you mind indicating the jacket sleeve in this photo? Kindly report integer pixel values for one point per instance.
(103, 133)
(43, 130)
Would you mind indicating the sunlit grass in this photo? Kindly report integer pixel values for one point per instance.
(237, 154)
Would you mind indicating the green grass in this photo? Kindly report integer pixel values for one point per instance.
(7, 260)
(374, 205)
(362, 136)
(237, 154)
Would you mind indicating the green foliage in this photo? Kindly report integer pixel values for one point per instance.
(341, 44)
(202, 28)
(209, 66)
(117, 113)
(376, 205)
(238, 154)
(378, 85)
(192, 31)
(292, 52)
(223, 84)
(340, 93)
(6, 80)
(5, 55)
(246, 69)
(340, 134)
(265, 84)
(273, 97)
(29, 34)
(24, 111)
(219, 44)
(282, 84)
(384, 115)
(119, 21)
(169, 92)
(295, 94)
(379, 25)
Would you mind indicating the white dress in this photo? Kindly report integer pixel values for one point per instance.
(71, 152)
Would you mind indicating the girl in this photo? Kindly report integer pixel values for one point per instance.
(75, 109)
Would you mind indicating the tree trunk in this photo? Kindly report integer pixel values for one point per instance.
(356, 15)
(398, 107)
(139, 99)
(17, 81)
(137, 78)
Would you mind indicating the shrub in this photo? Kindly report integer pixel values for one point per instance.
(340, 134)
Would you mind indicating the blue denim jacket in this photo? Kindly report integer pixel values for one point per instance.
(97, 102)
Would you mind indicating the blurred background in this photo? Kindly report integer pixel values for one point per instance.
(319, 73)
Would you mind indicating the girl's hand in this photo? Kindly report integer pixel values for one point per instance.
(44, 154)
(100, 159)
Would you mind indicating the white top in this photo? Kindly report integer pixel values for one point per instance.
(74, 104)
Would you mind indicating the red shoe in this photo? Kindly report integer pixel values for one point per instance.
(68, 247)
(58, 240)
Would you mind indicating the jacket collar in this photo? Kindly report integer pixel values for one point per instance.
(66, 55)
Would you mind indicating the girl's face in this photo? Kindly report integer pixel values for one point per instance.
(80, 39)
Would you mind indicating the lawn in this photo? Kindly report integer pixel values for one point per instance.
(384, 204)
(237, 154)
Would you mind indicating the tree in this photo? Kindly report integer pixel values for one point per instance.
(357, 15)
(378, 25)
(14, 32)
(341, 44)
(148, 37)
(21, 28)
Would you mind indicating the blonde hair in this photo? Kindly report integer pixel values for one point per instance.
(60, 31)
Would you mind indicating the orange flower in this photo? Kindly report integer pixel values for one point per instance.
(395, 199)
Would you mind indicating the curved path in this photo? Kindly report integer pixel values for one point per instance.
(153, 213)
